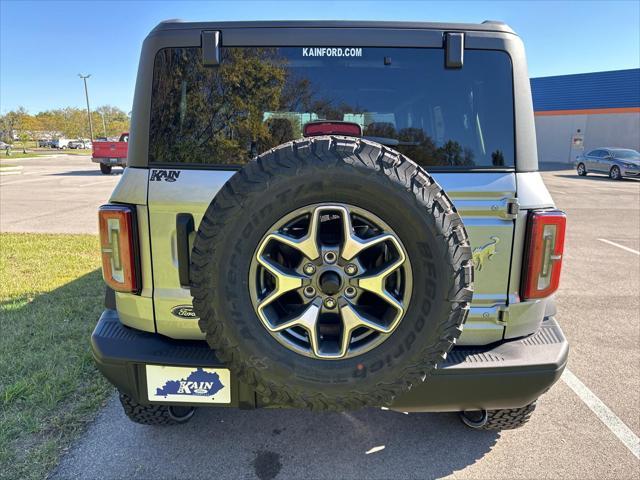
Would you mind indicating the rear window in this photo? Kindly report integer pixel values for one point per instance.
(258, 98)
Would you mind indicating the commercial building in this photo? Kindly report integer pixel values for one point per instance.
(584, 111)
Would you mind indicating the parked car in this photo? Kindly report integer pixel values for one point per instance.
(618, 163)
(45, 143)
(60, 143)
(331, 271)
(5, 146)
(110, 154)
(80, 144)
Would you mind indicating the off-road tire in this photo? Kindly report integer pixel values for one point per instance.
(153, 414)
(341, 170)
(582, 170)
(506, 419)
(105, 169)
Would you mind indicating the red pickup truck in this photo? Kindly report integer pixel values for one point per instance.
(108, 154)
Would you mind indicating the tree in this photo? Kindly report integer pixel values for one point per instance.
(67, 122)
(200, 113)
(115, 120)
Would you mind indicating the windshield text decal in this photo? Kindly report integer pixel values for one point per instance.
(331, 52)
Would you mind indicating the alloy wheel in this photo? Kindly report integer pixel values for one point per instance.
(330, 281)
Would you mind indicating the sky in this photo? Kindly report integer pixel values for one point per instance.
(45, 44)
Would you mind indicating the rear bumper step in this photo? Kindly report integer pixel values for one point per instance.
(506, 375)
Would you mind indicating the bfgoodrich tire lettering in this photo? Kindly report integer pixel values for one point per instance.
(348, 171)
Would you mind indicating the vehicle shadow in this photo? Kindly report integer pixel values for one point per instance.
(598, 178)
(270, 443)
(87, 173)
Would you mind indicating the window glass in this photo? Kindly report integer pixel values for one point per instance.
(627, 154)
(258, 98)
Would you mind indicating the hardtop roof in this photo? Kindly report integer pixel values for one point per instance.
(486, 26)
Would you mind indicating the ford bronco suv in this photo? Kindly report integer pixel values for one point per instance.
(331, 215)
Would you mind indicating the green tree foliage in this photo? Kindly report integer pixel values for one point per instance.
(221, 109)
(63, 122)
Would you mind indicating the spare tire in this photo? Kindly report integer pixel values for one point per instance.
(331, 273)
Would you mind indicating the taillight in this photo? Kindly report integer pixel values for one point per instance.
(543, 255)
(118, 243)
(349, 129)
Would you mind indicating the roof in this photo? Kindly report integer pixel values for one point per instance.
(612, 89)
(486, 26)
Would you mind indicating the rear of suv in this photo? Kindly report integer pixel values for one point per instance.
(331, 215)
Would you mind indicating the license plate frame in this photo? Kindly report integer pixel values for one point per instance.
(172, 384)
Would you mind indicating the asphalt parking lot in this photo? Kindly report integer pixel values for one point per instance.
(54, 194)
(599, 310)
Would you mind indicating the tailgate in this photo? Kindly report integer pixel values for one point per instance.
(110, 149)
(484, 200)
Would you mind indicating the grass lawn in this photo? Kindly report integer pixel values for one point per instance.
(16, 154)
(41, 152)
(51, 294)
(87, 151)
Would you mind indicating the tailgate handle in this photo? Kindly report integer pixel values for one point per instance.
(184, 228)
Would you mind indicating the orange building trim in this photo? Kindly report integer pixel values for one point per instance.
(587, 111)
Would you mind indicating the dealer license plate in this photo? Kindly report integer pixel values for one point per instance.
(188, 384)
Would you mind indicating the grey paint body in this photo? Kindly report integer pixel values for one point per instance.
(484, 197)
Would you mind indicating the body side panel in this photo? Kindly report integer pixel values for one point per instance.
(136, 311)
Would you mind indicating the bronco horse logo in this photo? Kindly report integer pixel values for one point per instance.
(483, 254)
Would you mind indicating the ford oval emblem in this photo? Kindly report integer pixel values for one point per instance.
(184, 311)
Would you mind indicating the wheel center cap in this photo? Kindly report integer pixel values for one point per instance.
(330, 283)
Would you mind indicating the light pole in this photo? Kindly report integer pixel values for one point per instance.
(86, 94)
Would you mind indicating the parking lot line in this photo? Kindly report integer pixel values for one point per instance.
(604, 413)
(619, 246)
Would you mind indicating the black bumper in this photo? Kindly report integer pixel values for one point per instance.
(505, 375)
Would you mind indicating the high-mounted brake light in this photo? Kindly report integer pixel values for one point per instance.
(544, 251)
(118, 243)
(350, 129)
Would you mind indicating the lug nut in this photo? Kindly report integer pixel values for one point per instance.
(350, 292)
(330, 302)
(330, 257)
(309, 269)
(351, 269)
(309, 292)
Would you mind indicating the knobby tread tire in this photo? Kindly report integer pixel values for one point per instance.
(147, 414)
(508, 419)
(321, 153)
